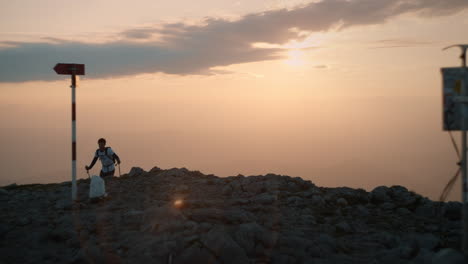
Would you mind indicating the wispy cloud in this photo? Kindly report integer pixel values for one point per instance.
(181, 48)
(399, 43)
(321, 66)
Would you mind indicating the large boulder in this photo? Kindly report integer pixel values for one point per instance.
(175, 172)
(136, 171)
(196, 253)
(380, 194)
(249, 235)
(220, 243)
(449, 256)
(155, 170)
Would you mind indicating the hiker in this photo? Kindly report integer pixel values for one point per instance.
(107, 157)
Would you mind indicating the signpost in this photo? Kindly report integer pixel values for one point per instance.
(455, 104)
(73, 70)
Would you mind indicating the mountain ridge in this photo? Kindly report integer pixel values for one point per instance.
(182, 216)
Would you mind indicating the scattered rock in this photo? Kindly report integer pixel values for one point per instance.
(362, 211)
(162, 219)
(426, 210)
(60, 234)
(136, 171)
(250, 235)
(448, 256)
(63, 204)
(403, 211)
(425, 241)
(343, 227)
(424, 256)
(205, 227)
(294, 200)
(317, 200)
(227, 190)
(254, 188)
(182, 189)
(237, 219)
(133, 218)
(452, 210)
(3, 192)
(342, 202)
(387, 206)
(175, 172)
(24, 221)
(401, 196)
(220, 244)
(264, 199)
(237, 216)
(407, 251)
(196, 253)
(207, 215)
(155, 170)
(10, 186)
(380, 194)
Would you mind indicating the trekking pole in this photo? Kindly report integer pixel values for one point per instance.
(119, 168)
(87, 171)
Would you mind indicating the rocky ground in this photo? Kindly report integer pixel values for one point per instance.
(182, 216)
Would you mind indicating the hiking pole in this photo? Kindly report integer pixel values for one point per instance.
(87, 171)
(118, 164)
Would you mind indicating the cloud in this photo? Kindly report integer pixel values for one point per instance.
(181, 48)
(321, 66)
(399, 43)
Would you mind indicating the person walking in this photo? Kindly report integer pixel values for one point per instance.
(107, 157)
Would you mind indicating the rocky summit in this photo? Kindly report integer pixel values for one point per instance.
(181, 216)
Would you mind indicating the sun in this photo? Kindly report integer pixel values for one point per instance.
(295, 58)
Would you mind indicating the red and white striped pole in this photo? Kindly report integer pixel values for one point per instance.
(72, 69)
(73, 86)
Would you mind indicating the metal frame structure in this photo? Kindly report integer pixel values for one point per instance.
(463, 163)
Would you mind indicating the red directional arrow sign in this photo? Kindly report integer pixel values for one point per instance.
(69, 68)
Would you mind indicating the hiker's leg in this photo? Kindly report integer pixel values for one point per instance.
(108, 174)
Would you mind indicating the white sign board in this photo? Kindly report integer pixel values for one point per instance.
(455, 98)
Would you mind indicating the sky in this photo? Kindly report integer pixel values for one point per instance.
(339, 92)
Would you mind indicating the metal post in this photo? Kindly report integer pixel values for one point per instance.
(73, 86)
(464, 195)
(464, 165)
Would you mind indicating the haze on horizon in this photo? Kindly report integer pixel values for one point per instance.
(342, 93)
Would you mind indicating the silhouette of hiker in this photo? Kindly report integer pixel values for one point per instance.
(107, 157)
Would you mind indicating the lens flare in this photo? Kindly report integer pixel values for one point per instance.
(178, 203)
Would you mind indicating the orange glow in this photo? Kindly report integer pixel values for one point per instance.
(178, 203)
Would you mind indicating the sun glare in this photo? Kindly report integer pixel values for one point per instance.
(295, 58)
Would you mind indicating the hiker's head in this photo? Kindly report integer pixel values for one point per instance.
(102, 143)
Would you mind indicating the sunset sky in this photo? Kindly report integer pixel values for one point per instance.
(339, 92)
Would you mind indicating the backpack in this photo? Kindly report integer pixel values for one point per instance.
(106, 153)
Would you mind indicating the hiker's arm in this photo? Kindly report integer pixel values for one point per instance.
(92, 163)
(116, 158)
